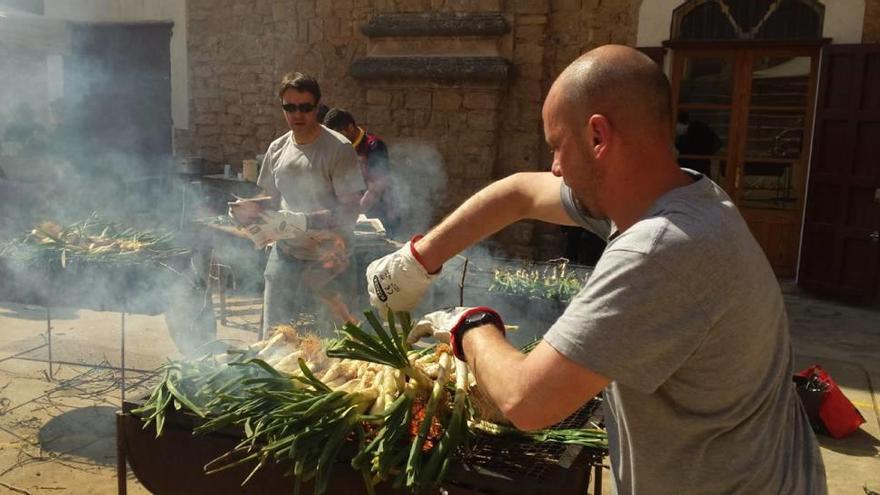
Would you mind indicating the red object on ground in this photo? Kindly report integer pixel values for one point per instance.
(839, 416)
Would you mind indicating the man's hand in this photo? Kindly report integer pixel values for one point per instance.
(277, 225)
(398, 281)
(448, 325)
(247, 211)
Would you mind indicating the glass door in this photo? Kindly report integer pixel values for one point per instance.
(704, 115)
(774, 151)
(744, 119)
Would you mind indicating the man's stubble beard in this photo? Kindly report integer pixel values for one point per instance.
(592, 184)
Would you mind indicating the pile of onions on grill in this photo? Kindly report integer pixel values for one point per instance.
(299, 399)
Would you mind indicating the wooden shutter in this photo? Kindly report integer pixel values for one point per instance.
(841, 242)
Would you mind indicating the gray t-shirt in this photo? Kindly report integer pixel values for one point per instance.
(311, 177)
(686, 318)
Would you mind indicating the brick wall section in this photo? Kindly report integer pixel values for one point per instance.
(574, 27)
(871, 30)
(239, 50)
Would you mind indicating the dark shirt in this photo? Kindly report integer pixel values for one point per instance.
(699, 139)
(373, 158)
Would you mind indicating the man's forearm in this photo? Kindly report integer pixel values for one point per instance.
(532, 390)
(488, 211)
(369, 200)
(498, 375)
(533, 195)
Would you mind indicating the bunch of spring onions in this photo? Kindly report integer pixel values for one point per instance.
(405, 414)
(554, 281)
(93, 240)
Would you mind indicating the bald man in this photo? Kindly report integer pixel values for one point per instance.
(682, 323)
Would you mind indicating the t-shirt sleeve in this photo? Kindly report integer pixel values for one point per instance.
(266, 179)
(576, 212)
(345, 173)
(634, 322)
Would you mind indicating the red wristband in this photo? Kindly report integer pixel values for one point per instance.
(417, 256)
(463, 325)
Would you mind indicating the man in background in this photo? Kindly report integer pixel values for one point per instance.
(312, 177)
(377, 201)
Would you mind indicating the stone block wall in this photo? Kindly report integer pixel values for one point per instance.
(239, 50)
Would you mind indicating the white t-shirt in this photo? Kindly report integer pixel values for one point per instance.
(311, 177)
(684, 315)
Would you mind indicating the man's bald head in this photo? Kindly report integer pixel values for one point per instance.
(620, 83)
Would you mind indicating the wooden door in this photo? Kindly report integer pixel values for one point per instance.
(748, 112)
(841, 240)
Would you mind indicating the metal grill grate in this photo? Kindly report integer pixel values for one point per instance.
(536, 461)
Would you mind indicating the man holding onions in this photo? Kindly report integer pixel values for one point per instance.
(682, 323)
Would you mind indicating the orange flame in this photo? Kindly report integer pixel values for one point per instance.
(332, 261)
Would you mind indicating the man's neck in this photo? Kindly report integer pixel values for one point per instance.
(306, 136)
(637, 196)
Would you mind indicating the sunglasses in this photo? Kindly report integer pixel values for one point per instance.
(302, 107)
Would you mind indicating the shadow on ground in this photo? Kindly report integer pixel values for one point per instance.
(88, 432)
(19, 312)
(860, 443)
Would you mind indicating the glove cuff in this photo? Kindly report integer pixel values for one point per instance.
(465, 323)
(301, 219)
(415, 254)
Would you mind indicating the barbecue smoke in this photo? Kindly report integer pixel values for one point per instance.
(420, 180)
(58, 165)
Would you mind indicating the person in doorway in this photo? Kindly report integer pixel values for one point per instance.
(682, 323)
(311, 175)
(372, 153)
(694, 137)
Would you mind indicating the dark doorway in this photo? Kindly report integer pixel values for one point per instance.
(117, 97)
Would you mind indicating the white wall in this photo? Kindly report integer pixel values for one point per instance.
(844, 20)
(139, 11)
(26, 41)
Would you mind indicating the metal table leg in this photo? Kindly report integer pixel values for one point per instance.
(122, 358)
(121, 461)
(220, 279)
(49, 340)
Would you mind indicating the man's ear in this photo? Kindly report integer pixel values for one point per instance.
(599, 135)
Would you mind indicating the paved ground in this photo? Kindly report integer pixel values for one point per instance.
(57, 435)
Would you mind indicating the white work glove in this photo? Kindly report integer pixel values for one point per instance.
(449, 325)
(398, 281)
(277, 225)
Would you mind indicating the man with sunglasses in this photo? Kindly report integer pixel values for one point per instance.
(312, 174)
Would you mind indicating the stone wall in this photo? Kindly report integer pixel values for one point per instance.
(483, 130)
(549, 35)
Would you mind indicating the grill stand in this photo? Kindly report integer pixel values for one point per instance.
(173, 464)
(52, 362)
(121, 460)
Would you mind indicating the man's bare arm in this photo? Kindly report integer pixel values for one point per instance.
(527, 195)
(533, 390)
(374, 191)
